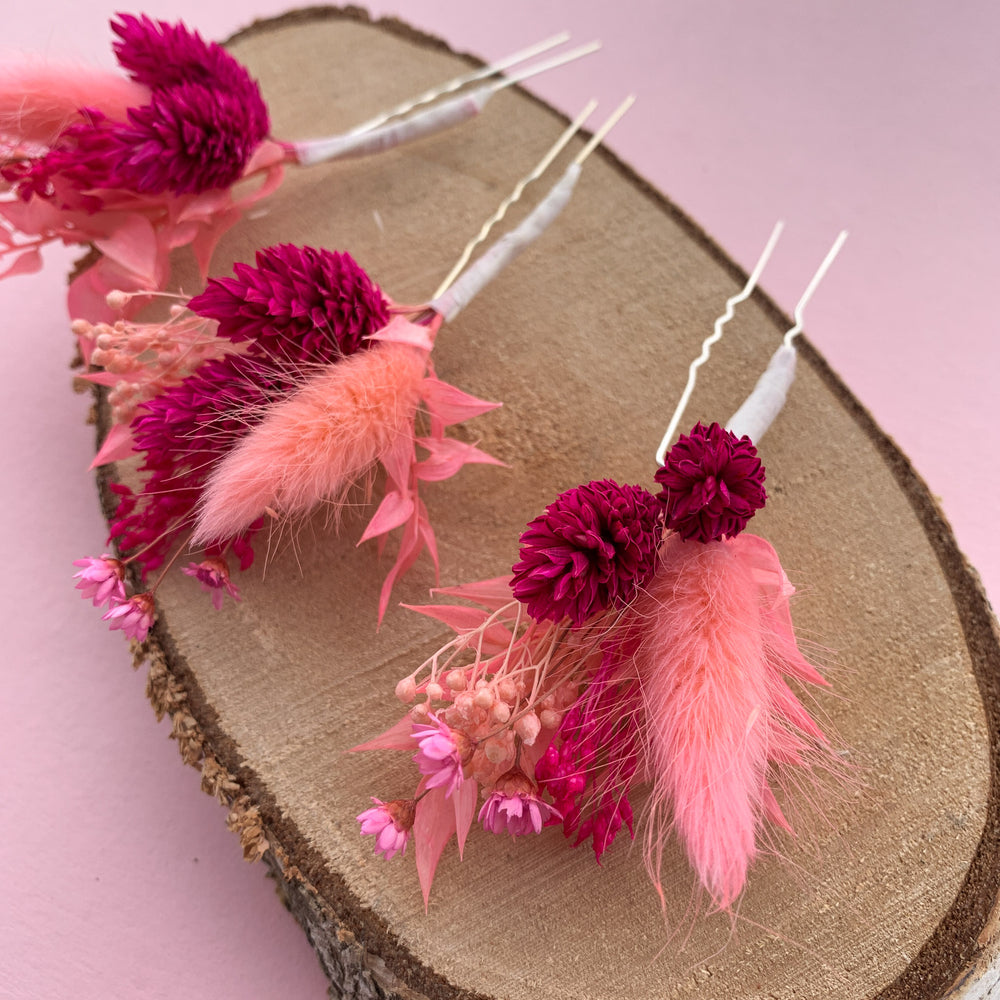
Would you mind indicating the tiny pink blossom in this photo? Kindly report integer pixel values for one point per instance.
(390, 824)
(515, 807)
(442, 754)
(134, 616)
(101, 580)
(213, 575)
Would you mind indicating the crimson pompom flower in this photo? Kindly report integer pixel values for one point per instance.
(591, 549)
(295, 302)
(191, 137)
(160, 54)
(712, 484)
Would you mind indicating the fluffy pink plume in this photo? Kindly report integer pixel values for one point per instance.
(38, 99)
(717, 646)
(318, 443)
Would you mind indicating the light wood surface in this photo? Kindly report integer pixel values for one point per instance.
(889, 892)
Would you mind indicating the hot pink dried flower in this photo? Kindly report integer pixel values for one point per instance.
(712, 484)
(515, 807)
(134, 616)
(591, 549)
(101, 580)
(160, 54)
(442, 755)
(390, 823)
(190, 138)
(213, 575)
(296, 304)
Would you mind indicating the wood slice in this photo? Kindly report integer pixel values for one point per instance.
(891, 892)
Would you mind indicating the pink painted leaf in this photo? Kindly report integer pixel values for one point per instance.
(432, 829)
(24, 263)
(398, 461)
(396, 737)
(109, 379)
(399, 330)
(409, 549)
(464, 799)
(493, 594)
(447, 456)
(395, 509)
(450, 405)
(117, 446)
(204, 244)
(133, 245)
(458, 617)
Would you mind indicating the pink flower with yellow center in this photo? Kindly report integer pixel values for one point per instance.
(443, 753)
(515, 806)
(101, 580)
(134, 616)
(390, 823)
(213, 575)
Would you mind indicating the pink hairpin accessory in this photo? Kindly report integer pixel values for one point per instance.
(138, 166)
(641, 640)
(281, 388)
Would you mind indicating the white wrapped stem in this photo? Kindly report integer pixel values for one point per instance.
(436, 119)
(768, 397)
(465, 289)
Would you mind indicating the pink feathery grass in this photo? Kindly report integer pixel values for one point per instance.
(717, 645)
(38, 99)
(317, 444)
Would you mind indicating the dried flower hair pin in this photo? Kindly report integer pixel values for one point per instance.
(641, 640)
(139, 166)
(279, 389)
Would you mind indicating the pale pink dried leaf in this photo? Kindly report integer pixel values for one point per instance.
(432, 829)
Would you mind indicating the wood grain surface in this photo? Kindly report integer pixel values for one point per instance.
(890, 888)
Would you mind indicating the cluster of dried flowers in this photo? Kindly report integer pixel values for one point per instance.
(135, 167)
(278, 388)
(610, 658)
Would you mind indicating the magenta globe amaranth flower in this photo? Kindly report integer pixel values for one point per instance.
(590, 550)
(390, 823)
(295, 304)
(190, 138)
(712, 484)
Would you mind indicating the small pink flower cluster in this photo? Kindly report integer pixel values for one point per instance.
(141, 360)
(102, 580)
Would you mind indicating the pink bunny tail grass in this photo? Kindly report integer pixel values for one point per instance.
(318, 443)
(717, 646)
(39, 99)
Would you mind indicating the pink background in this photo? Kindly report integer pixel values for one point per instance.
(119, 877)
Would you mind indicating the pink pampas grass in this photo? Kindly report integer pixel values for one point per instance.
(712, 667)
(38, 99)
(318, 443)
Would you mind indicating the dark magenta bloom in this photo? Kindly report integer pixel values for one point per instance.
(288, 325)
(712, 484)
(204, 120)
(191, 137)
(591, 549)
(296, 303)
(160, 55)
